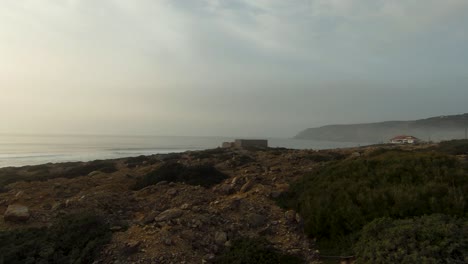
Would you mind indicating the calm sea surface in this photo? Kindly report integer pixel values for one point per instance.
(20, 150)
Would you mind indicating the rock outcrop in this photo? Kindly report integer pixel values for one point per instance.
(16, 213)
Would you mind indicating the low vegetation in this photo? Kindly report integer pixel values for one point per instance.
(73, 239)
(453, 147)
(133, 162)
(426, 239)
(340, 199)
(258, 251)
(203, 175)
(49, 171)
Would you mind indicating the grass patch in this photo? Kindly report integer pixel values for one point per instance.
(203, 175)
(255, 251)
(73, 239)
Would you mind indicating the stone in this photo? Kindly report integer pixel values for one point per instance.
(185, 206)
(247, 186)
(169, 215)
(299, 218)
(220, 237)
(168, 241)
(275, 194)
(226, 189)
(16, 213)
(290, 216)
(172, 192)
(256, 220)
(93, 173)
(131, 247)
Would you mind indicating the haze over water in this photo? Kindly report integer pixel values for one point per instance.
(20, 150)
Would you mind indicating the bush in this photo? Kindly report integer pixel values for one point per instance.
(427, 239)
(73, 239)
(254, 251)
(337, 201)
(453, 147)
(204, 175)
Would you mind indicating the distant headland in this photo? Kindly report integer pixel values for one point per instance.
(430, 129)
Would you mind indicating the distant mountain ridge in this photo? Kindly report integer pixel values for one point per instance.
(434, 128)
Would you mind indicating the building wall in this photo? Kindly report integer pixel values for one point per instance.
(245, 143)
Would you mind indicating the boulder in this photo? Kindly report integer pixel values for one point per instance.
(220, 238)
(169, 215)
(16, 213)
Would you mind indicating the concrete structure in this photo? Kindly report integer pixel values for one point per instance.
(246, 143)
(404, 140)
(228, 144)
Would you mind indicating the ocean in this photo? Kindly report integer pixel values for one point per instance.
(21, 150)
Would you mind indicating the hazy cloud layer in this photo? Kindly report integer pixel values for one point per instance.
(227, 67)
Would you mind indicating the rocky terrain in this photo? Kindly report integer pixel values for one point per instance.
(173, 222)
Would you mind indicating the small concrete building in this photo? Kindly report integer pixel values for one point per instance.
(249, 143)
(228, 144)
(246, 143)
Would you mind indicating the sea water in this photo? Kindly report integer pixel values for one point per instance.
(21, 150)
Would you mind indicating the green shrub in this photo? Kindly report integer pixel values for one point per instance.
(427, 239)
(204, 175)
(453, 147)
(73, 239)
(337, 201)
(254, 251)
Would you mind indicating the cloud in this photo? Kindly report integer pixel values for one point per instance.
(228, 62)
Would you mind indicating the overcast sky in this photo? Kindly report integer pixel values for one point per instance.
(228, 67)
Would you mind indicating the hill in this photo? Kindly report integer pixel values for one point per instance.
(434, 128)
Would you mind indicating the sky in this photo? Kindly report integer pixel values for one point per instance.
(256, 68)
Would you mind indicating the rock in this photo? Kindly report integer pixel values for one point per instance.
(226, 189)
(275, 194)
(299, 218)
(162, 183)
(116, 228)
(256, 220)
(290, 216)
(172, 192)
(16, 213)
(57, 206)
(355, 154)
(131, 247)
(220, 238)
(169, 215)
(168, 242)
(93, 173)
(185, 206)
(247, 186)
(235, 180)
